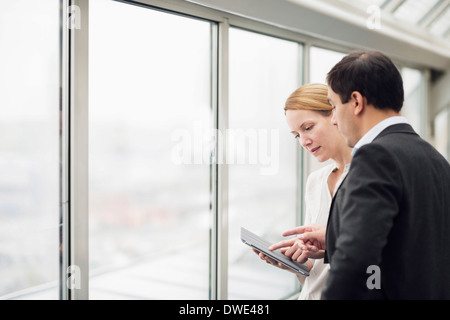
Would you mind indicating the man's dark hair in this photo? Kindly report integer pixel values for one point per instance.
(372, 74)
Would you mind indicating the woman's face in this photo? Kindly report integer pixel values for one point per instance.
(315, 132)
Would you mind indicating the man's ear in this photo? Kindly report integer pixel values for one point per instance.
(359, 102)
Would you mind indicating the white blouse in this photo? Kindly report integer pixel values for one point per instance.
(317, 203)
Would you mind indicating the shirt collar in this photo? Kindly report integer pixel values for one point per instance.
(376, 130)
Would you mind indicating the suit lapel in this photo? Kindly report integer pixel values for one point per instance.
(333, 200)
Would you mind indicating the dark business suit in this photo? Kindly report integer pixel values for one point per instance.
(391, 211)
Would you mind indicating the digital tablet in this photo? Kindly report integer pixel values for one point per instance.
(262, 245)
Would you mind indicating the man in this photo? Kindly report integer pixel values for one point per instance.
(388, 233)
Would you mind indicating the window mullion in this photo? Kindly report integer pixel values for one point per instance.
(74, 152)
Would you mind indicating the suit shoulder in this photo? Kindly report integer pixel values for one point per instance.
(377, 161)
(408, 147)
(375, 150)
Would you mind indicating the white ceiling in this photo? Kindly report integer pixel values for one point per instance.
(425, 18)
(416, 31)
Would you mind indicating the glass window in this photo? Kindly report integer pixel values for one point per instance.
(414, 104)
(149, 186)
(29, 149)
(378, 3)
(262, 192)
(364, 4)
(414, 10)
(442, 132)
(441, 26)
(321, 62)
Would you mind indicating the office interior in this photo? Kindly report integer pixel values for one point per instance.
(138, 137)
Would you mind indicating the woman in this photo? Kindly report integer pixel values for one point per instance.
(308, 115)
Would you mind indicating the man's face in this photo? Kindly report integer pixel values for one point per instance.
(343, 117)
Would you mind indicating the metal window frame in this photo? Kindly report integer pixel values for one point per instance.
(219, 239)
(74, 233)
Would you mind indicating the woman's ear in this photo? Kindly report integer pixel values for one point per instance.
(359, 102)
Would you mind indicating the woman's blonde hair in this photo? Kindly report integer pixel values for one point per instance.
(313, 96)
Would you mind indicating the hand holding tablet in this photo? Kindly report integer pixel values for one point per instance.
(262, 245)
